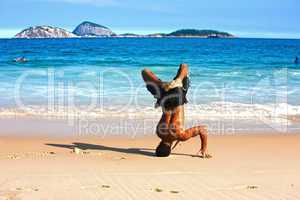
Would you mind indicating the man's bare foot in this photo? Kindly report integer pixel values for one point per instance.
(173, 84)
(204, 154)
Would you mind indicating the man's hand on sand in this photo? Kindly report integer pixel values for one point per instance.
(204, 154)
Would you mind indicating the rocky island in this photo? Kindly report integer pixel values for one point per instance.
(90, 29)
(45, 32)
(200, 33)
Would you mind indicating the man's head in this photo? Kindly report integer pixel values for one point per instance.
(163, 149)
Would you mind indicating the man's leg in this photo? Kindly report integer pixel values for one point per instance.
(154, 85)
(182, 72)
(150, 77)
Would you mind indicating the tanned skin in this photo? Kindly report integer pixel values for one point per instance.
(170, 128)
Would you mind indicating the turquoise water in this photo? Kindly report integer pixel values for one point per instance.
(105, 73)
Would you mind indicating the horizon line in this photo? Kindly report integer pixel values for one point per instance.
(10, 33)
(266, 38)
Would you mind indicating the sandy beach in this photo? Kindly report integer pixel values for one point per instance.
(242, 167)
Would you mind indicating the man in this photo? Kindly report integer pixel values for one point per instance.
(172, 97)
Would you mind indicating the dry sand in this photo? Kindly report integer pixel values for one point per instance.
(243, 167)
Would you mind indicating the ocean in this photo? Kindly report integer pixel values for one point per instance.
(252, 79)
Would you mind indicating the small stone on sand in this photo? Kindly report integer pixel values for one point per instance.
(252, 187)
(120, 158)
(174, 191)
(105, 186)
(76, 150)
(158, 190)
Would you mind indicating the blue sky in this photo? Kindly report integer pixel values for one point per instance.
(255, 18)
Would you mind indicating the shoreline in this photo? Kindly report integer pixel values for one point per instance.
(220, 118)
(243, 166)
(130, 127)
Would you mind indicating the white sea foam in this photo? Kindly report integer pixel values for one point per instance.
(295, 73)
(213, 111)
(228, 110)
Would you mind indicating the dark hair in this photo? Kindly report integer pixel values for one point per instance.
(163, 150)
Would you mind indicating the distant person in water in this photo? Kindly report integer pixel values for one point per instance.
(296, 60)
(172, 97)
(21, 59)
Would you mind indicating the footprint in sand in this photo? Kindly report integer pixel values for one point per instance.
(174, 191)
(95, 187)
(252, 187)
(27, 189)
(120, 158)
(158, 190)
(161, 190)
(240, 187)
(105, 186)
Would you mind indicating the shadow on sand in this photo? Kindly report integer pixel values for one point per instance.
(86, 146)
